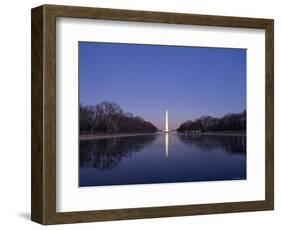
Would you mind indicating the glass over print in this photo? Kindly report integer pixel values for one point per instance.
(161, 114)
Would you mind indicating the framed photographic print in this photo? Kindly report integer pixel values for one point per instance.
(140, 114)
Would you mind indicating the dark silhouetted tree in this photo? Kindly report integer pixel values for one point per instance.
(229, 122)
(108, 117)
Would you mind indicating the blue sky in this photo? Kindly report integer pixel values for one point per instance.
(146, 80)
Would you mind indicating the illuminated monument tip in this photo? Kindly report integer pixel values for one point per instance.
(166, 126)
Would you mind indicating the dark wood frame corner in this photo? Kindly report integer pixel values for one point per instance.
(43, 197)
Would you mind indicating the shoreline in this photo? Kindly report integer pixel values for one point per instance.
(235, 134)
(85, 137)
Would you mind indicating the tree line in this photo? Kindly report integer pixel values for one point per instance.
(229, 122)
(106, 154)
(108, 117)
(235, 144)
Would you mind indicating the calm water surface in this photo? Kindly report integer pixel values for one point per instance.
(161, 158)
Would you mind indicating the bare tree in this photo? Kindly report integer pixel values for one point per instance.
(108, 117)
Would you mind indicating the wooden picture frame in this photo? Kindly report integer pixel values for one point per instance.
(43, 208)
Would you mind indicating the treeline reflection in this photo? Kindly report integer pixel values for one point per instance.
(231, 144)
(104, 154)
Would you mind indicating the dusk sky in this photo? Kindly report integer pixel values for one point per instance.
(147, 80)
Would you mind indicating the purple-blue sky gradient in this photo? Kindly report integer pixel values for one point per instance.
(146, 80)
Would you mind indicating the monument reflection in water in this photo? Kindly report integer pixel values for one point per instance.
(161, 158)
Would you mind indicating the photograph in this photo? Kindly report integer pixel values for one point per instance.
(161, 114)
